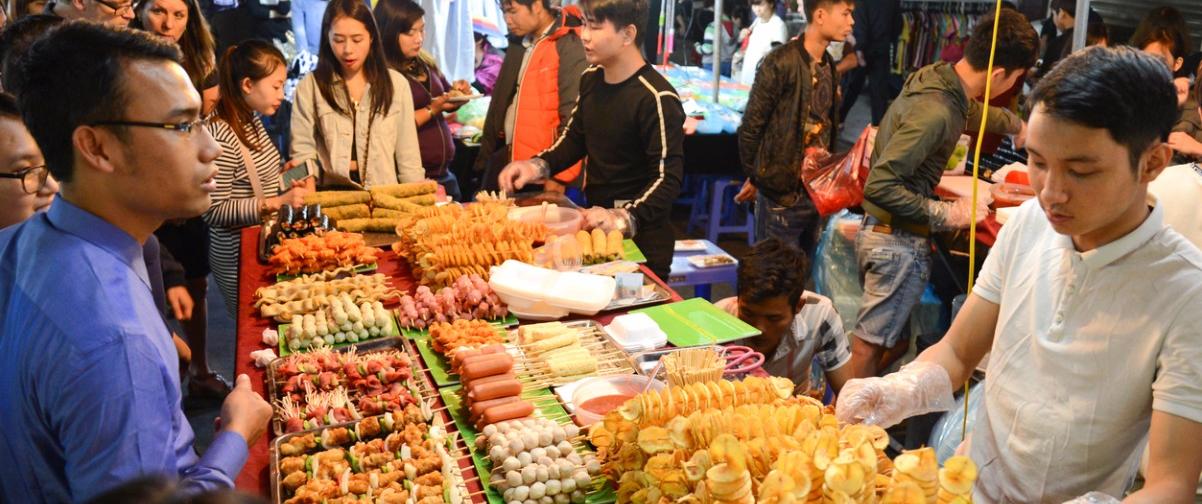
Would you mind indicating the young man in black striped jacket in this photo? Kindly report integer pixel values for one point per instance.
(629, 123)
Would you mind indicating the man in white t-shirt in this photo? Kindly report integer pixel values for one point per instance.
(765, 33)
(1091, 306)
(798, 327)
(1179, 189)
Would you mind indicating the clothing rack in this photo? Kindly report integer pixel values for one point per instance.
(934, 30)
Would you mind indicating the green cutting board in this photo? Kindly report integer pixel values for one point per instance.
(548, 406)
(393, 332)
(698, 322)
(437, 363)
(632, 252)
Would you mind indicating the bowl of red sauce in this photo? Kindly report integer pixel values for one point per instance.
(594, 397)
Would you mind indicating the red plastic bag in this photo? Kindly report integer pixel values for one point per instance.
(836, 181)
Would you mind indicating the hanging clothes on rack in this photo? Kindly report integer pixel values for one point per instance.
(934, 31)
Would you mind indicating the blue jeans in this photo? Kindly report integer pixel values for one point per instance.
(795, 224)
(894, 268)
(451, 185)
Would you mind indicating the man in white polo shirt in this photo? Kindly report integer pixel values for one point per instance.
(1180, 189)
(1091, 306)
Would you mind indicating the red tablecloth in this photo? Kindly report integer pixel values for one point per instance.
(252, 275)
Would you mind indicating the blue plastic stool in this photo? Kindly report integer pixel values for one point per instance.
(721, 210)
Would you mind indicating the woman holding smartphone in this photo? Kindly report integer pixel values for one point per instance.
(353, 114)
(248, 177)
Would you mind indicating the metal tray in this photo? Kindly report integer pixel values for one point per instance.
(619, 362)
(424, 387)
(660, 295)
(455, 451)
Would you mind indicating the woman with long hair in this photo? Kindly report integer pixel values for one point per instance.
(402, 26)
(181, 22)
(352, 114)
(248, 176)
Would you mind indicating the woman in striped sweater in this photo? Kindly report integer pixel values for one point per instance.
(252, 84)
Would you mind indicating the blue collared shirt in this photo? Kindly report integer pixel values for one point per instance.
(89, 377)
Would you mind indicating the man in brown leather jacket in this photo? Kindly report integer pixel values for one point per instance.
(794, 105)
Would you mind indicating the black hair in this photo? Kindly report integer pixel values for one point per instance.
(1068, 6)
(621, 13)
(8, 107)
(1128, 93)
(15, 40)
(1198, 87)
(810, 6)
(762, 2)
(75, 76)
(254, 60)
(772, 269)
(530, 4)
(1165, 25)
(374, 67)
(1017, 43)
(396, 17)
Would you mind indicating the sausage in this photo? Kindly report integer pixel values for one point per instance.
(486, 379)
(458, 357)
(493, 348)
(478, 407)
(493, 390)
(485, 357)
(486, 365)
(507, 411)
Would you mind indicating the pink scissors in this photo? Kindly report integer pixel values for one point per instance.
(741, 359)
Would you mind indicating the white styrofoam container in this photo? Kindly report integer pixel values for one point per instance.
(518, 280)
(521, 285)
(636, 332)
(581, 292)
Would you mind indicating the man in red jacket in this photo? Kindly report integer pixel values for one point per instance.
(536, 90)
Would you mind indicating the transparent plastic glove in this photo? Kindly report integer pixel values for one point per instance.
(519, 173)
(953, 215)
(1094, 498)
(609, 219)
(919, 387)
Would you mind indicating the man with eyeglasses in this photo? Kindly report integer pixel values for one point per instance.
(89, 383)
(116, 13)
(25, 184)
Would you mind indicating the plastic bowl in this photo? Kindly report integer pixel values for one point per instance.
(595, 397)
(559, 220)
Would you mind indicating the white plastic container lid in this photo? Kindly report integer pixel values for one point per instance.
(516, 279)
(581, 292)
(636, 332)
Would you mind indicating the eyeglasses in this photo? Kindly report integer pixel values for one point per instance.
(120, 10)
(33, 179)
(182, 127)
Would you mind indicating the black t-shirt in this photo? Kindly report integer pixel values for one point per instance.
(632, 133)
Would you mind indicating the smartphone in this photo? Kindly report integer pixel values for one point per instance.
(301, 171)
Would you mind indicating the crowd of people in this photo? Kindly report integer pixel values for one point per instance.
(135, 145)
(131, 187)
